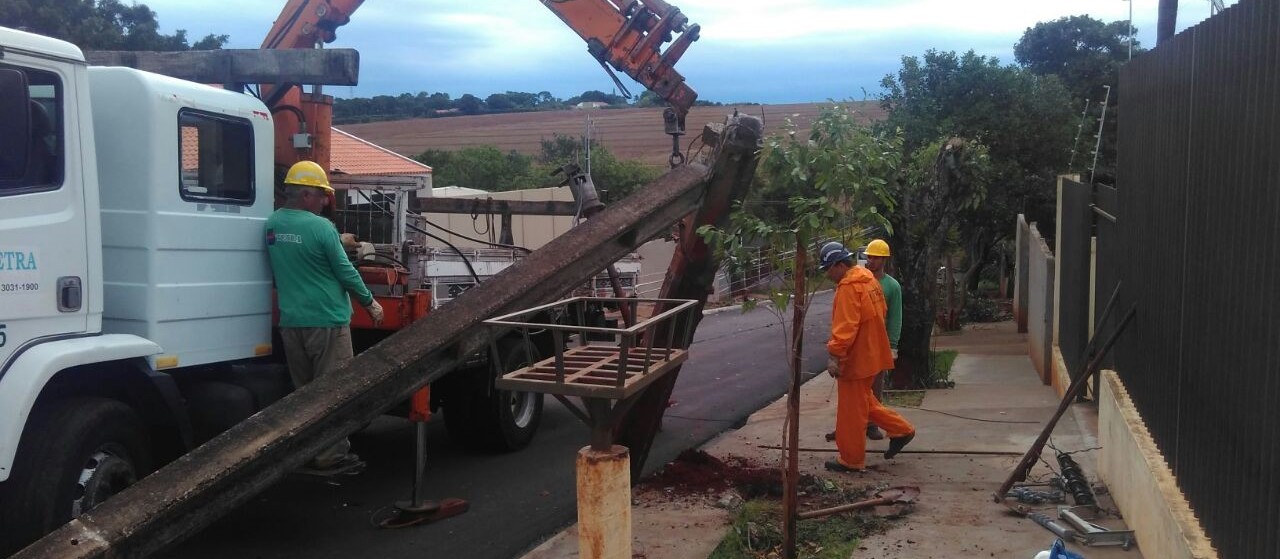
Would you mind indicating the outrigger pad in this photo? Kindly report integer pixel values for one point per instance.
(448, 508)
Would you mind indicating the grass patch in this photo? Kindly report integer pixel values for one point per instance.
(904, 398)
(942, 362)
(757, 534)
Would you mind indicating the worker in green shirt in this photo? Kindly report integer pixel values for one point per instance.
(313, 277)
(877, 257)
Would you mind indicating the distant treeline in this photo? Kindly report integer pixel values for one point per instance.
(432, 105)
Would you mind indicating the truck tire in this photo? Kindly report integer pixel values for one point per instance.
(76, 453)
(485, 418)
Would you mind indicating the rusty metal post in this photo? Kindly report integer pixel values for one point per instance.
(604, 503)
(193, 491)
(692, 272)
(791, 480)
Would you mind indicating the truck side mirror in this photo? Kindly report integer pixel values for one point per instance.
(15, 113)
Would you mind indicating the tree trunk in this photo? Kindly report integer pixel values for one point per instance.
(924, 215)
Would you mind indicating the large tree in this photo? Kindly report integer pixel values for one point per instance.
(100, 25)
(1022, 127)
(1086, 54)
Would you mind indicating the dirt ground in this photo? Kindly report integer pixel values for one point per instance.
(628, 133)
(998, 405)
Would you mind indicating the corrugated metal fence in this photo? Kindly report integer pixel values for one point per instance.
(1197, 248)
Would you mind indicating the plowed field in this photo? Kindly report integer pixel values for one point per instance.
(628, 133)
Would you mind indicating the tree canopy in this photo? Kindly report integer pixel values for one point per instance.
(1084, 53)
(489, 168)
(100, 25)
(1013, 131)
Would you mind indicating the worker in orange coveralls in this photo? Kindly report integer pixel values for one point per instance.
(858, 350)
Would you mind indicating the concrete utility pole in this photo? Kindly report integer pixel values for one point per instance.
(1167, 22)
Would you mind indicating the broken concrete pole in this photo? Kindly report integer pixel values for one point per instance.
(198, 488)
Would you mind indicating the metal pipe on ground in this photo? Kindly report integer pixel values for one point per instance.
(193, 491)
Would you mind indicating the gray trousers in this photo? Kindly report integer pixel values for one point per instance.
(311, 354)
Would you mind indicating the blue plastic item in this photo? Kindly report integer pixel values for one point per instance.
(1059, 551)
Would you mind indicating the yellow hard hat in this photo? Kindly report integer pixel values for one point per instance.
(308, 173)
(877, 247)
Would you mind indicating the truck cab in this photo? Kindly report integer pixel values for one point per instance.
(131, 211)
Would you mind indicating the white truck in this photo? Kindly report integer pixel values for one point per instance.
(135, 292)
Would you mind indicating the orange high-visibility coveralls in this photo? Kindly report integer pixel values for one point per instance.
(860, 342)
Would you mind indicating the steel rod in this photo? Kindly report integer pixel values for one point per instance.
(905, 451)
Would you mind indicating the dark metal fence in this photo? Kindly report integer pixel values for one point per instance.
(1196, 246)
(1075, 231)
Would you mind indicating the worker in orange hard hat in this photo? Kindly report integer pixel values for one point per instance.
(313, 279)
(858, 351)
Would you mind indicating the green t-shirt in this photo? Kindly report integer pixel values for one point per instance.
(313, 274)
(893, 317)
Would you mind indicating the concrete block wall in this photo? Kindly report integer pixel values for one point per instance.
(1021, 268)
(1141, 482)
(1040, 299)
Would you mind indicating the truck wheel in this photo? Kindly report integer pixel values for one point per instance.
(77, 453)
(486, 418)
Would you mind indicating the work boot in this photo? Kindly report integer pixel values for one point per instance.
(874, 433)
(896, 444)
(836, 466)
(831, 436)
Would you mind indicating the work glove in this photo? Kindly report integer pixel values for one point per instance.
(375, 312)
(894, 351)
(833, 366)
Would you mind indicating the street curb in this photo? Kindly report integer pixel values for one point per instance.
(738, 306)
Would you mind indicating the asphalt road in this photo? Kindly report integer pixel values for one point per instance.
(737, 365)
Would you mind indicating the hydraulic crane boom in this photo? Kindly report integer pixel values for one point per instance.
(628, 35)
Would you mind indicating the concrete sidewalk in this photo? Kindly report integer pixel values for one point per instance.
(1004, 407)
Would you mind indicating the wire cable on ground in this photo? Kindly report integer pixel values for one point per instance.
(969, 418)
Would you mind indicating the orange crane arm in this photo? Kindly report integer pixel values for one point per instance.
(628, 35)
(307, 23)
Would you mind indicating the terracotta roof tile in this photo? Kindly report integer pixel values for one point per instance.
(352, 156)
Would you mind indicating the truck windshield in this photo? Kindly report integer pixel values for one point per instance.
(44, 169)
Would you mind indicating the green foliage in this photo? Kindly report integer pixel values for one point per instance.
(756, 533)
(979, 309)
(942, 362)
(489, 168)
(483, 167)
(101, 25)
(835, 178)
(1083, 52)
(432, 105)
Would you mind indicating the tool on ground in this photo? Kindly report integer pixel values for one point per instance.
(1091, 534)
(1020, 472)
(420, 510)
(904, 495)
(1076, 484)
(1036, 497)
(1059, 529)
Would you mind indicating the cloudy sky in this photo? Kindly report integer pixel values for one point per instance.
(751, 50)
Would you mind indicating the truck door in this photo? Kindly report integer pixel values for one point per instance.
(44, 256)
